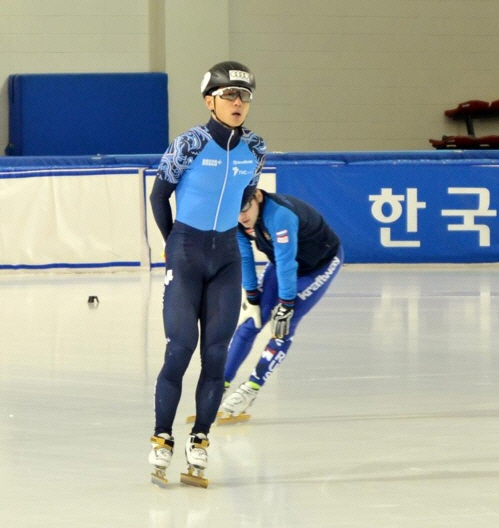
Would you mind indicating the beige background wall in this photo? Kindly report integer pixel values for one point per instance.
(332, 75)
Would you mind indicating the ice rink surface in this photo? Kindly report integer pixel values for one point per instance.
(385, 413)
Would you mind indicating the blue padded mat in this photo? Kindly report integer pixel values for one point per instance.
(87, 113)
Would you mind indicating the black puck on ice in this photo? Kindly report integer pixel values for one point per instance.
(93, 299)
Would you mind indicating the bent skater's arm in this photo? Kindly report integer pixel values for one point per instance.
(160, 204)
(250, 280)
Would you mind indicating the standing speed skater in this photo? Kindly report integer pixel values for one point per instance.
(212, 169)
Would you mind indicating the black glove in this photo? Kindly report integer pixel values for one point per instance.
(281, 318)
(253, 296)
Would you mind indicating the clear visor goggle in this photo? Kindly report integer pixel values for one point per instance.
(231, 93)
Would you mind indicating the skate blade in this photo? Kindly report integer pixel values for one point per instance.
(192, 479)
(192, 419)
(159, 479)
(227, 419)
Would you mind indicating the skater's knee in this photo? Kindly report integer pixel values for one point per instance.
(213, 359)
(170, 377)
(176, 362)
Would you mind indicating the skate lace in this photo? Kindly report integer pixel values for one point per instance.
(199, 453)
(240, 400)
(163, 453)
(245, 393)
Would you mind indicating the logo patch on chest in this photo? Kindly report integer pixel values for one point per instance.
(211, 162)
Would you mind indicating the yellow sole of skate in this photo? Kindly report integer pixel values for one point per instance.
(192, 418)
(226, 420)
(193, 480)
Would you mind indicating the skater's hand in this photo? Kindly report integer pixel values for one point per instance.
(253, 296)
(281, 319)
(249, 310)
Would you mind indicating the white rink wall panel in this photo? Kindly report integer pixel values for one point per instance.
(72, 219)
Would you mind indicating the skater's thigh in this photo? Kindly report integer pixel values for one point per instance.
(182, 296)
(220, 305)
(313, 286)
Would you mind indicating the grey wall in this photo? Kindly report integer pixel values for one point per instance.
(366, 74)
(332, 75)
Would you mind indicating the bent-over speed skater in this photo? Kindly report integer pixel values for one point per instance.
(305, 255)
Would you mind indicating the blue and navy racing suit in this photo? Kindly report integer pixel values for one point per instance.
(212, 169)
(304, 254)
